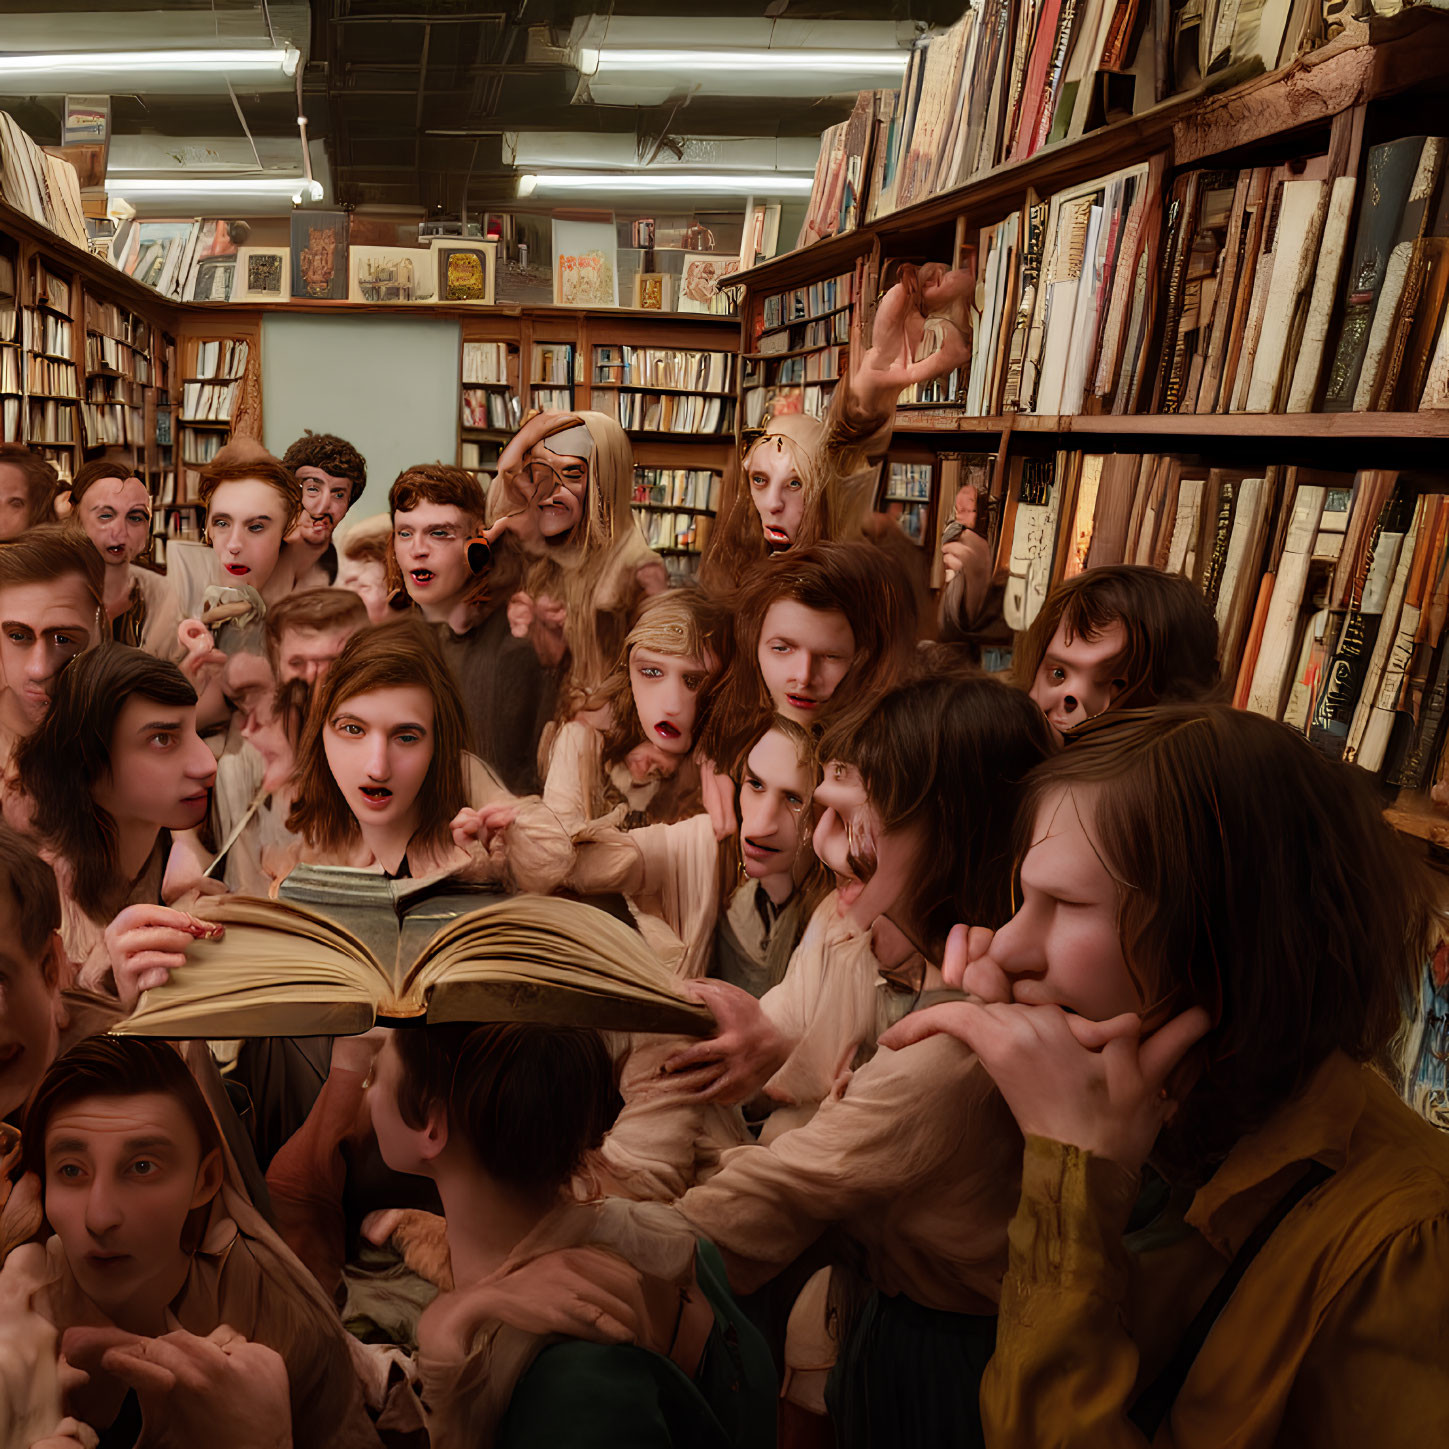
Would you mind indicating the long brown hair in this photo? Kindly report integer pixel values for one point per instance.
(953, 754)
(395, 655)
(42, 482)
(1172, 638)
(1259, 880)
(856, 579)
(59, 765)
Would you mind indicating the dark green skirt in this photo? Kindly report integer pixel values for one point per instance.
(910, 1377)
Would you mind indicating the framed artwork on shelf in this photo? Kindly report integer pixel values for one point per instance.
(319, 256)
(652, 291)
(585, 264)
(699, 282)
(261, 274)
(391, 274)
(466, 272)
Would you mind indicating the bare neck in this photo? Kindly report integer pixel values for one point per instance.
(120, 581)
(486, 1221)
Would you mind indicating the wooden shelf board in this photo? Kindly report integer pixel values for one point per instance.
(641, 387)
(1206, 425)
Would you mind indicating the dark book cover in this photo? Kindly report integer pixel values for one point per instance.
(1387, 215)
(319, 256)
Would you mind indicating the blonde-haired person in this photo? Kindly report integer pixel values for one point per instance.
(563, 495)
(112, 507)
(363, 551)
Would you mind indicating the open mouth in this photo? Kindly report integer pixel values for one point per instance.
(667, 731)
(376, 795)
(236, 569)
(776, 535)
(116, 550)
(422, 577)
(754, 851)
(801, 701)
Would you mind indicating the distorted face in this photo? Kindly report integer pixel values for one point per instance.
(775, 791)
(122, 1174)
(431, 542)
(404, 1148)
(29, 1007)
(14, 502)
(325, 499)
(666, 696)
(306, 653)
(1062, 947)
(379, 746)
(116, 515)
(368, 580)
(42, 628)
(1079, 677)
(247, 683)
(560, 490)
(246, 523)
(873, 867)
(803, 654)
(161, 770)
(777, 492)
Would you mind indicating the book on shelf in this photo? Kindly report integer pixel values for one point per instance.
(200, 445)
(689, 488)
(670, 533)
(488, 407)
(705, 371)
(485, 362)
(10, 412)
(553, 362)
(559, 398)
(43, 187)
(344, 949)
(49, 420)
(667, 412)
(209, 401)
(220, 359)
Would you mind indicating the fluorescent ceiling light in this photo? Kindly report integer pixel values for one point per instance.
(297, 187)
(714, 183)
(684, 62)
(122, 63)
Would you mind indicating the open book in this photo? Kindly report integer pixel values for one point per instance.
(283, 968)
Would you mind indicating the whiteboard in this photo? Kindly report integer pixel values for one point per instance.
(389, 385)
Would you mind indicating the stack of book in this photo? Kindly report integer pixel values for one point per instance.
(673, 412)
(664, 367)
(43, 187)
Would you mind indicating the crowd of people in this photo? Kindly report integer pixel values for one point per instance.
(1040, 1103)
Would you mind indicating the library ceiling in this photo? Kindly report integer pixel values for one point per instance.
(420, 103)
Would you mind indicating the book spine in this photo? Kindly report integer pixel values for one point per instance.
(1266, 693)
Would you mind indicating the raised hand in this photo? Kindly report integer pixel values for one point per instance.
(739, 1059)
(1097, 1085)
(203, 661)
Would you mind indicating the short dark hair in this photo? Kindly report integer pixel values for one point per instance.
(1172, 636)
(1259, 880)
(441, 484)
(42, 482)
(953, 753)
(530, 1100)
(314, 609)
(32, 886)
(113, 1066)
(333, 455)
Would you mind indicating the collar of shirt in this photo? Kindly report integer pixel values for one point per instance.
(1313, 1126)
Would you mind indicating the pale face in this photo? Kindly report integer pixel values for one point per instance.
(42, 628)
(775, 794)
(14, 502)
(245, 524)
(1062, 947)
(873, 867)
(399, 1144)
(803, 654)
(247, 683)
(431, 542)
(379, 746)
(368, 580)
(666, 696)
(121, 1176)
(306, 653)
(325, 499)
(161, 770)
(116, 515)
(777, 493)
(561, 488)
(29, 1002)
(1079, 678)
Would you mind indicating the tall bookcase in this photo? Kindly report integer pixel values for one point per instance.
(1338, 103)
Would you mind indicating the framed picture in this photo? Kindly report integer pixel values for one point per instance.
(699, 282)
(585, 264)
(319, 255)
(466, 271)
(652, 291)
(261, 274)
(389, 275)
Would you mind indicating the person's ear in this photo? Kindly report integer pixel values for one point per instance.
(63, 505)
(208, 1179)
(433, 1135)
(55, 965)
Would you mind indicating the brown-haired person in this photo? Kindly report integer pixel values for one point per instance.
(51, 609)
(28, 486)
(112, 507)
(151, 1238)
(914, 1159)
(112, 772)
(508, 695)
(333, 475)
(306, 631)
(1216, 936)
(1123, 636)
